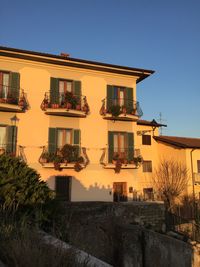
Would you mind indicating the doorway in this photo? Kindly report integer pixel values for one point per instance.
(119, 191)
(63, 187)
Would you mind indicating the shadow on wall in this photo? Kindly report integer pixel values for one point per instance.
(79, 192)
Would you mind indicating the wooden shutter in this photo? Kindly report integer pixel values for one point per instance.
(77, 88)
(110, 96)
(11, 133)
(76, 141)
(146, 139)
(130, 137)
(15, 85)
(54, 91)
(76, 137)
(198, 166)
(129, 99)
(52, 140)
(110, 146)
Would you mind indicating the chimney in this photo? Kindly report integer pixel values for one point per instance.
(64, 55)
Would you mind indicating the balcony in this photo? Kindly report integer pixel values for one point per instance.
(5, 149)
(127, 158)
(12, 100)
(65, 104)
(67, 157)
(197, 178)
(120, 109)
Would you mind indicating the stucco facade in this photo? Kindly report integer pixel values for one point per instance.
(95, 182)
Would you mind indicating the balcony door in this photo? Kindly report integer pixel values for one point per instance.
(4, 85)
(64, 136)
(64, 86)
(120, 145)
(119, 191)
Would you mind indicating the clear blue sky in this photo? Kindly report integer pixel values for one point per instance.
(152, 34)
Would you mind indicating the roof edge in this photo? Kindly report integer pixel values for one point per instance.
(142, 73)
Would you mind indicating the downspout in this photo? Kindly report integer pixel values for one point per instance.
(193, 182)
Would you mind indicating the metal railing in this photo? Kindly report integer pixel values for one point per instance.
(7, 96)
(6, 149)
(65, 101)
(124, 156)
(185, 227)
(67, 154)
(118, 106)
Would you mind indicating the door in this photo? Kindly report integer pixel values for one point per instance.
(119, 191)
(63, 187)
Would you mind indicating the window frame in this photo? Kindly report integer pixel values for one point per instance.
(146, 139)
(147, 166)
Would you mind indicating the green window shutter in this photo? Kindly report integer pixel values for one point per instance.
(129, 99)
(110, 146)
(54, 91)
(77, 141)
(15, 85)
(77, 88)
(52, 140)
(130, 142)
(11, 139)
(76, 137)
(110, 96)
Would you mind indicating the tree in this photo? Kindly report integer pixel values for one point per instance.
(170, 180)
(21, 185)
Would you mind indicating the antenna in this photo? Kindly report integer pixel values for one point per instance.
(161, 120)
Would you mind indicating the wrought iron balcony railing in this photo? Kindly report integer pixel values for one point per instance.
(13, 96)
(69, 156)
(127, 157)
(6, 149)
(66, 101)
(120, 107)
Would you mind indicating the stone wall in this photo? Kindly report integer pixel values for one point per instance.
(144, 248)
(92, 226)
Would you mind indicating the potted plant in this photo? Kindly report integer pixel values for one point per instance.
(115, 158)
(115, 110)
(77, 165)
(57, 162)
(118, 166)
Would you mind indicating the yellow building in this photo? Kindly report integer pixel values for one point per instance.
(78, 123)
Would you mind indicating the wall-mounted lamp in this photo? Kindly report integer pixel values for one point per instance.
(14, 120)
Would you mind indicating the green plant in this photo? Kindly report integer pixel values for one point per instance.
(115, 110)
(70, 153)
(20, 185)
(70, 98)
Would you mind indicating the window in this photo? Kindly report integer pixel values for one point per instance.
(148, 193)
(4, 84)
(147, 166)
(58, 137)
(122, 96)
(59, 87)
(120, 144)
(64, 86)
(120, 141)
(8, 139)
(64, 136)
(198, 166)
(146, 139)
(2, 137)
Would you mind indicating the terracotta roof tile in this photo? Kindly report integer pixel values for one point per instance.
(183, 142)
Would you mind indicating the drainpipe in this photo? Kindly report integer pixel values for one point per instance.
(193, 181)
